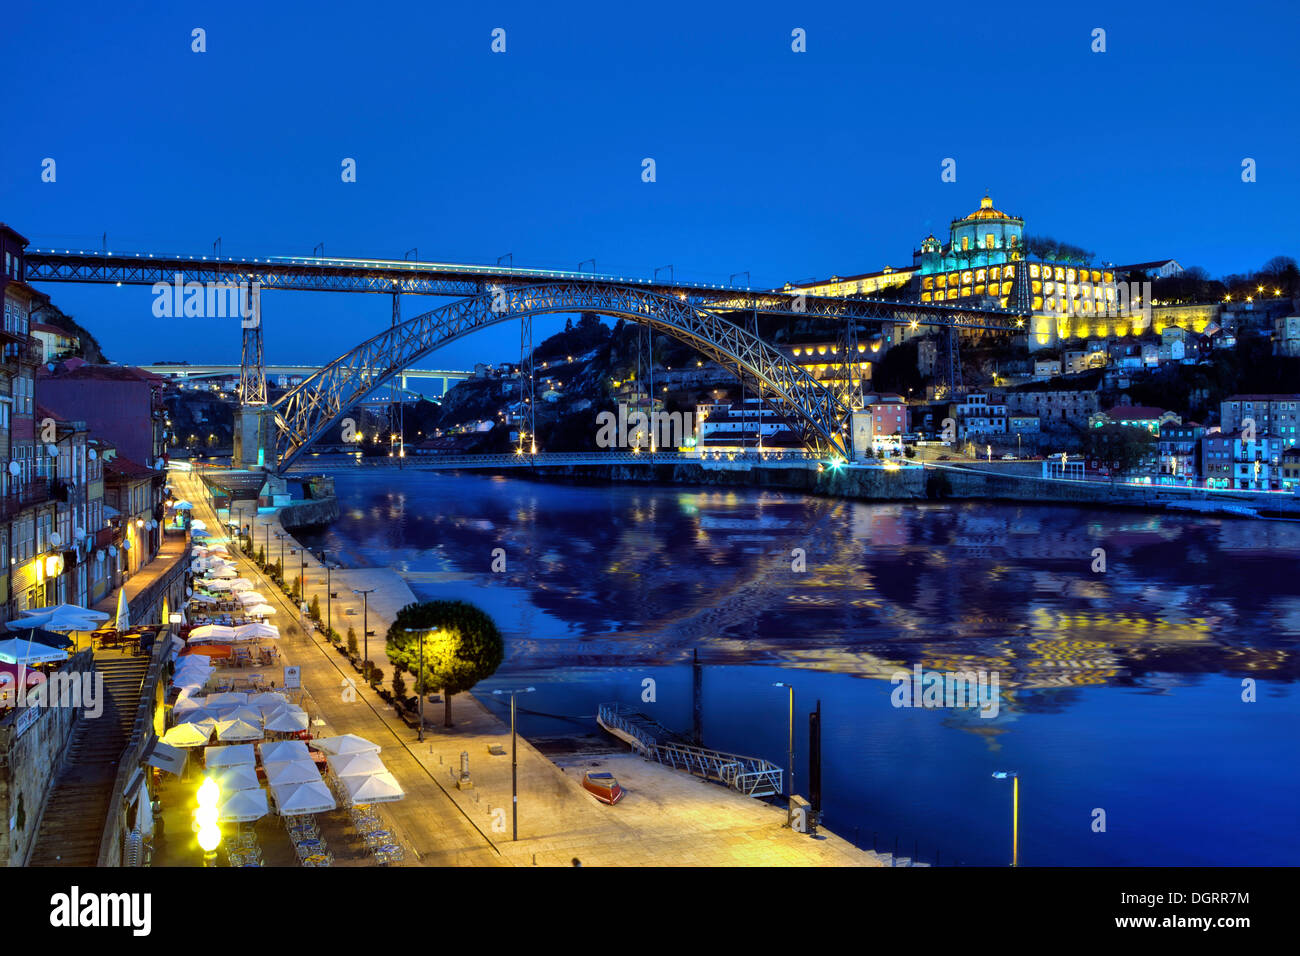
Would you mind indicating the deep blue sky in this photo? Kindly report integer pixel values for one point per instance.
(788, 165)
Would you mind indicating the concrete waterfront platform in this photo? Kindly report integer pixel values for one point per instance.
(668, 818)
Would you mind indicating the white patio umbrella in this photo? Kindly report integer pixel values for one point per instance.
(199, 533)
(199, 523)
(227, 697)
(345, 744)
(186, 736)
(223, 574)
(267, 698)
(186, 702)
(216, 584)
(244, 712)
(212, 632)
(373, 788)
(192, 675)
(355, 765)
(240, 777)
(258, 631)
(241, 584)
(21, 651)
(247, 598)
(198, 598)
(260, 610)
(200, 720)
(215, 757)
(61, 617)
(298, 798)
(218, 546)
(238, 729)
(123, 621)
(296, 771)
(201, 564)
(242, 806)
(194, 715)
(284, 751)
(287, 720)
(182, 506)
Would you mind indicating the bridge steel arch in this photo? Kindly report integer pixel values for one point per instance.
(306, 412)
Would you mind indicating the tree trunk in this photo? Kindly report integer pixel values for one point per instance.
(446, 708)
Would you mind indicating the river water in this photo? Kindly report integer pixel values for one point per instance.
(1120, 691)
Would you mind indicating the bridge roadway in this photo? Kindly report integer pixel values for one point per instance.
(324, 274)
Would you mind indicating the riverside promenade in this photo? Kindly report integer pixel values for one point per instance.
(667, 818)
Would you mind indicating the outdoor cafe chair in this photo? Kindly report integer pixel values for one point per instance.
(388, 853)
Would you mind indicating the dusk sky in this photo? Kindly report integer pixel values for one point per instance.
(788, 165)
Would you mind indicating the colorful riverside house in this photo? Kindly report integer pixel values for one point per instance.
(1180, 452)
(79, 508)
(1290, 470)
(27, 506)
(1231, 460)
(1272, 414)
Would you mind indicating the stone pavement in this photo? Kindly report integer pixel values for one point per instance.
(667, 818)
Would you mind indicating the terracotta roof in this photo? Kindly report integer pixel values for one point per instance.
(44, 327)
(106, 373)
(127, 468)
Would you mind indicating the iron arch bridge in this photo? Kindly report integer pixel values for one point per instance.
(306, 412)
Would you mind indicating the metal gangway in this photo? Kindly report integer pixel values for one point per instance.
(752, 776)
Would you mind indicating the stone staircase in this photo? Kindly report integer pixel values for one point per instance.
(72, 824)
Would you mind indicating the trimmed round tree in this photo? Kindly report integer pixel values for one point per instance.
(462, 646)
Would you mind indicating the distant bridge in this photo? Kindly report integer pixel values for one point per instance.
(410, 379)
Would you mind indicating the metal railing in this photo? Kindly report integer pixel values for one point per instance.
(752, 776)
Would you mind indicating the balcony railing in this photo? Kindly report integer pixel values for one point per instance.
(27, 351)
(35, 492)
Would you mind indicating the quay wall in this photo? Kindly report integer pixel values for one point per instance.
(33, 741)
(1008, 481)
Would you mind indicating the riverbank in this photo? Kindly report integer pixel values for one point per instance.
(668, 818)
(1018, 482)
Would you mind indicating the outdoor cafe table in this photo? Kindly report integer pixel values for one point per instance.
(312, 845)
(378, 837)
(316, 859)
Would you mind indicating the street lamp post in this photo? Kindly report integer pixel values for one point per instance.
(514, 763)
(790, 749)
(329, 595)
(1015, 812)
(365, 627)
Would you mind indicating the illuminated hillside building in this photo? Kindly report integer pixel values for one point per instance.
(984, 263)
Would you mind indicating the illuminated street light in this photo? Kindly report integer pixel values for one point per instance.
(514, 762)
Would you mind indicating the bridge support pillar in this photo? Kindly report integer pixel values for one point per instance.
(254, 445)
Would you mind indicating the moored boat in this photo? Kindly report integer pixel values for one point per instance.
(603, 787)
